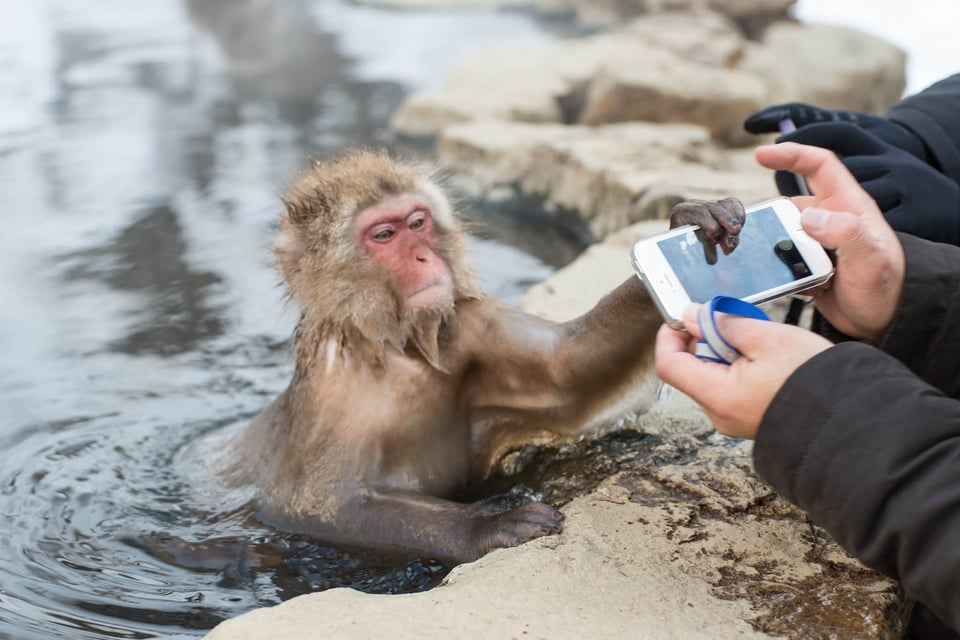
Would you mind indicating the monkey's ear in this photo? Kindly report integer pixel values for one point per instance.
(288, 248)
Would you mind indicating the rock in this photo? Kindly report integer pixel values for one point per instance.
(547, 84)
(699, 37)
(573, 290)
(503, 83)
(611, 176)
(694, 67)
(666, 88)
(831, 67)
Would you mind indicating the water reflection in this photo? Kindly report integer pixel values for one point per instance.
(175, 313)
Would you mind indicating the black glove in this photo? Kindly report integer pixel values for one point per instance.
(915, 198)
(768, 121)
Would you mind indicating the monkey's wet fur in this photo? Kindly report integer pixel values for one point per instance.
(410, 382)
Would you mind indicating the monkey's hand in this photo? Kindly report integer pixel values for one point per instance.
(495, 528)
(720, 220)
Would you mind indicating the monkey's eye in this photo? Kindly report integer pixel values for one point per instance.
(417, 224)
(383, 235)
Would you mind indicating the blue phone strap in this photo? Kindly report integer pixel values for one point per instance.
(714, 347)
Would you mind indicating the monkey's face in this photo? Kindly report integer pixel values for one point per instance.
(398, 234)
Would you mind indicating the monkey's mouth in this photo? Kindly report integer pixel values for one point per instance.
(433, 295)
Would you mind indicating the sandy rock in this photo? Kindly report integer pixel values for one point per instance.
(699, 37)
(547, 84)
(504, 83)
(611, 175)
(829, 66)
(694, 67)
(574, 289)
(667, 88)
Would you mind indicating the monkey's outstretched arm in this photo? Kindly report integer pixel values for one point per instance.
(558, 375)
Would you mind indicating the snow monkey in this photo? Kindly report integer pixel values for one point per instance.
(409, 381)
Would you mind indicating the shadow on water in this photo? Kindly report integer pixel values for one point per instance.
(141, 151)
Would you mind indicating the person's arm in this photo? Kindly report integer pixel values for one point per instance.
(933, 115)
(925, 332)
(873, 455)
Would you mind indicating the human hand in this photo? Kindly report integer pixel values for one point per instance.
(801, 114)
(735, 396)
(913, 196)
(861, 298)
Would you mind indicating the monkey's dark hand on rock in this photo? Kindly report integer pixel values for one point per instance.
(768, 121)
(497, 529)
(720, 220)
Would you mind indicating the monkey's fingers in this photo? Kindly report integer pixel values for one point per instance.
(721, 220)
(525, 523)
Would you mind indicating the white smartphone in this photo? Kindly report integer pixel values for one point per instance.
(774, 258)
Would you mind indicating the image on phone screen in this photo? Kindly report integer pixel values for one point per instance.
(765, 258)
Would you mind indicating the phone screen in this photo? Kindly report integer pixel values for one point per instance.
(765, 258)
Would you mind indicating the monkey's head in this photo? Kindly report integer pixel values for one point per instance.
(372, 251)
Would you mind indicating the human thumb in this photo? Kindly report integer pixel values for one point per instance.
(843, 232)
(776, 348)
(752, 337)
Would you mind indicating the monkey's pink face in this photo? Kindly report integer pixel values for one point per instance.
(399, 235)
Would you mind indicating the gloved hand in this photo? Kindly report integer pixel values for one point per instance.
(915, 198)
(768, 121)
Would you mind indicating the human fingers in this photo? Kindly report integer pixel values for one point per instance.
(670, 340)
(833, 185)
(678, 367)
(736, 396)
(869, 274)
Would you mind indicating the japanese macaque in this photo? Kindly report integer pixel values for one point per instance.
(410, 382)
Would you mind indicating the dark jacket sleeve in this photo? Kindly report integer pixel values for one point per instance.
(925, 332)
(872, 451)
(934, 115)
